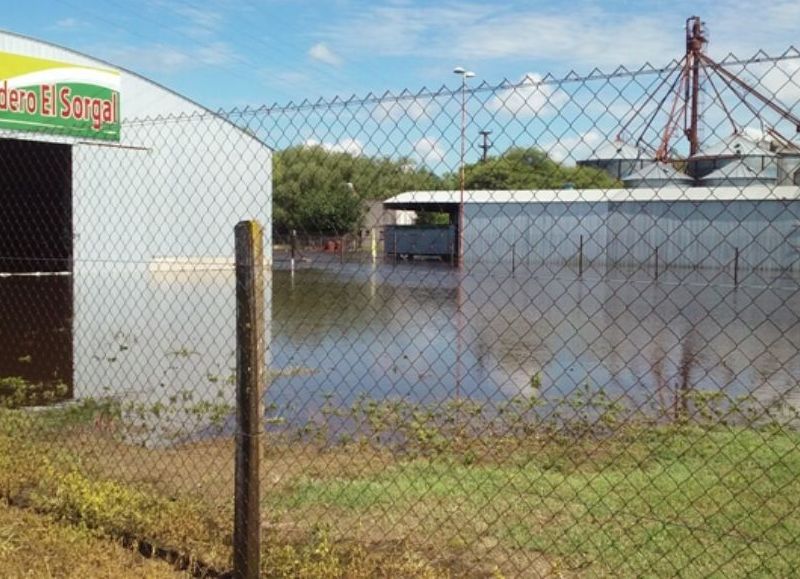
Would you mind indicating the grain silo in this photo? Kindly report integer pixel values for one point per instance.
(789, 167)
(655, 174)
(740, 173)
(616, 158)
(739, 148)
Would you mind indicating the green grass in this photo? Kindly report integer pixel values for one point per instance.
(638, 500)
(700, 501)
(47, 474)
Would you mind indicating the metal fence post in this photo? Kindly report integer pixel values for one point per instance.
(513, 258)
(580, 257)
(736, 267)
(293, 244)
(250, 371)
(656, 264)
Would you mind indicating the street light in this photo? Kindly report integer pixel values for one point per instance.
(464, 74)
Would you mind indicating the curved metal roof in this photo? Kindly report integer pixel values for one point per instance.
(737, 145)
(657, 173)
(616, 150)
(740, 173)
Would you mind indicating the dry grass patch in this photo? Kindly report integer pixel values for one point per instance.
(35, 545)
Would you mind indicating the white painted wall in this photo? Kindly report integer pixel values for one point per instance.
(171, 191)
(176, 186)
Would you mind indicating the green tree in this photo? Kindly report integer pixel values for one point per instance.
(530, 168)
(322, 191)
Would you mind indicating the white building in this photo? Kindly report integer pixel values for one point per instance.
(690, 227)
(112, 179)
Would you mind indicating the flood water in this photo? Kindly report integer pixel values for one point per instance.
(429, 333)
(418, 331)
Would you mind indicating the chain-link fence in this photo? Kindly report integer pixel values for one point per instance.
(541, 327)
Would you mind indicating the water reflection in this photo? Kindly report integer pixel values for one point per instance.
(392, 331)
(650, 342)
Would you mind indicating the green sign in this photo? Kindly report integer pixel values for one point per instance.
(58, 98)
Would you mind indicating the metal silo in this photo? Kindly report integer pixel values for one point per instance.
(739, 173)
(746, 146)
(789, 169)
(656, 175)
(615, 158)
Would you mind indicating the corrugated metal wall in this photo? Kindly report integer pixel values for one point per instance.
(540, 232)
(687, 234)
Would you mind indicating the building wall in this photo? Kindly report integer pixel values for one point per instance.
(177, 197)
(539, 232)
(705, 234)
(170, 192)
(688, 234)
(173, 187)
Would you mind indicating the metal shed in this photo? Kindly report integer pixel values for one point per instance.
(693, 227)
(109, 179)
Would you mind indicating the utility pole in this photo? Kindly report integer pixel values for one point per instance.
(486, 144)
(465, 74)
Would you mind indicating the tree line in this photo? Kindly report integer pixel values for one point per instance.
(321, 191)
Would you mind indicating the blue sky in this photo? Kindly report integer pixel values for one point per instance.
(231, 53)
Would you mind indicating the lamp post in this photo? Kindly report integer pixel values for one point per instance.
(464, 74)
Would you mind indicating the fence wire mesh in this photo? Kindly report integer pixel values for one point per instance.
(515, 329)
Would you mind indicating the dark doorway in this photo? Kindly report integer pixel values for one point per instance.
(36, 285)
(35, 206)
(36, 336)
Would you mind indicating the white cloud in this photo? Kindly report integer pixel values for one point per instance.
(168, 59)
(472, 32)
(429, 151)
(411, 108)
(322, 53)
(290, 79)
(200, 17)
(69, 24)
(589, 34)
(529, 97)
(154, 58)
(215, 54)
(401, 30)
(572, 148)
(783, 81)
(346, 145)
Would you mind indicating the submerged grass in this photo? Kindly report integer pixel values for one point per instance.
(605, 498)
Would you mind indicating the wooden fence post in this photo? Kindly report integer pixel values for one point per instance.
(250, 373)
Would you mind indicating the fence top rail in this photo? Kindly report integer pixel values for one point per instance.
(572, 77)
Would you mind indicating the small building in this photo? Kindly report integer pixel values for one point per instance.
(105, 177)
(692, 227)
